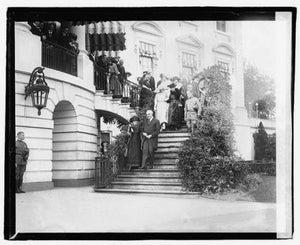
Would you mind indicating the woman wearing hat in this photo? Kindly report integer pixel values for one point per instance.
(174, 114)
(114, 84)
(134, 154)
(161, 105)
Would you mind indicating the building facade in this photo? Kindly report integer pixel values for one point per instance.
(65, 138)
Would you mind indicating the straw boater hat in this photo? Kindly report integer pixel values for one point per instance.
(172, 85)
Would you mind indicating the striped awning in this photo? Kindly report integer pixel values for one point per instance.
(103, 35)
(106, 36)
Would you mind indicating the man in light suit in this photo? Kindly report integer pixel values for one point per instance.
(150, 133)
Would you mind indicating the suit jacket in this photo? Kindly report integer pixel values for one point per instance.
(22, 152)
(150, 84)
(51, 37)
(152, 129)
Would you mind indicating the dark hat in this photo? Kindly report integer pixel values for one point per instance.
(146, 72)
(134, 118)
(172, 85)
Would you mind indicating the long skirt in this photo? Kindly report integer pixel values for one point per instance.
(174, 119)
(134, 156)
(161, 112)
(115, 85)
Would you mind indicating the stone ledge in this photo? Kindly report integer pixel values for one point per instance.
(73, 182)
(38, 186)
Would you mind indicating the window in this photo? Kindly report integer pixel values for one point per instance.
(221, 26)
(224, 68)
(189, 65)
(147, 56)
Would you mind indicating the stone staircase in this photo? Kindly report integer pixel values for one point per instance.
(106, 102)
(163, 178)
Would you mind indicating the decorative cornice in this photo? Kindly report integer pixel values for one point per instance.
(231, 52)
(138, 26)
(194, 41)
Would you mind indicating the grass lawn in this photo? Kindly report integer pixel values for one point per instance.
(266, 192)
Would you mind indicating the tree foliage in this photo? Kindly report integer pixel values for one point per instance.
(264, 144)
(206, 161)
(259, 88)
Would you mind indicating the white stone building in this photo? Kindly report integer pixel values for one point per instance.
(64, 139)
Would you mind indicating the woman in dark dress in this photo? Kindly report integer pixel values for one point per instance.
(134, 156)
(174, 120)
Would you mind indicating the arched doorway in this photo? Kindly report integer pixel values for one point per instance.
(64, 154)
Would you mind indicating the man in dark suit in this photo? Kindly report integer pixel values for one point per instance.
(150, 133)
(50, 34)
(22, 153)
(148, 86)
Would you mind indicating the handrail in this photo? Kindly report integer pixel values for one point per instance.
(133, 84)
(59, 58)
(60, 47)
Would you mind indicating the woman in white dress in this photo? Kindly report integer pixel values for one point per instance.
(161, 106)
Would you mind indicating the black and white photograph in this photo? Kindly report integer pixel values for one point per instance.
(141, 122)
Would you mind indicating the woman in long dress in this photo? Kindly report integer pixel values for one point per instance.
(114, 83)
(174, 116)
(134, 155)
(161, 105)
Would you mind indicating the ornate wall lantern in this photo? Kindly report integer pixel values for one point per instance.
(38, 89)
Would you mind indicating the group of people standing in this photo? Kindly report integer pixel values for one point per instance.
(49, 31)
(114, 68)
(172, 101)
(142, 141)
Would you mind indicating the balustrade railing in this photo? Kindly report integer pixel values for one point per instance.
(103, 172)
(59, 58)
(127, 91)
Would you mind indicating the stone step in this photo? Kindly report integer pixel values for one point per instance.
(136, 191)
(147, 179)
(152, 174)
(146, 186)
(165, 166)
(165, 161)
(172, 140)
(170, 149)
(182, 130)
(169, 144)
(154, 170)
(173, 135)
(163, 155)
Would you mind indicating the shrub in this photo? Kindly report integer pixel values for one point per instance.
(264, 144)
(206, 161)
(251, 182)
(115, 153)
(206, 174)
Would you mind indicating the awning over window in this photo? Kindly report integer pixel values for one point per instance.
(102, 36)
(147, 49)
(106, 36)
